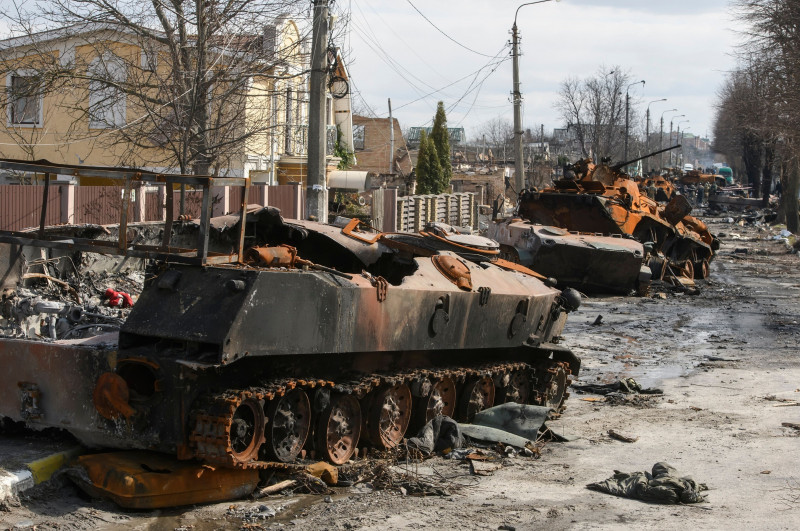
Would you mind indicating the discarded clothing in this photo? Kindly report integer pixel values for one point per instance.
(664, 485)
(628, 386)
(437, 435)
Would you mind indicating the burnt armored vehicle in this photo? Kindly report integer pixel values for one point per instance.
(311, 336)
(591, 263)
(603, 199)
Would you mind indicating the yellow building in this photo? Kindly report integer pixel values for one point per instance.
(105, 96)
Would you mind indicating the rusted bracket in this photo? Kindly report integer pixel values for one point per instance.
(353, 225)
(484, 291)
(382, 287)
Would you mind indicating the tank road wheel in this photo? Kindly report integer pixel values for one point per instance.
(289, 421)
(338, 428)
(388, 416)
(685, 269)
(477, 395)
(442, 400)
(518, 389)
(247, 431)
(554, 389)
(701, 269)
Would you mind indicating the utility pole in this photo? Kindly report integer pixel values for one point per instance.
(647, 132)
(519, 161)
(391, 138)
(316, 181)
(627, 113)
(661, 138)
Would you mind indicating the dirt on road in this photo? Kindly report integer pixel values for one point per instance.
(726, 360)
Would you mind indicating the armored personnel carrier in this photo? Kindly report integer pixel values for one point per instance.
(310, 337)
(602, 199)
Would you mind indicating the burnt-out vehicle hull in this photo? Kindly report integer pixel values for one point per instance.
(607, 202)
(591, 263)
(247, 364)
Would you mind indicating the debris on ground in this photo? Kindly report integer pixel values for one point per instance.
(625, 386)
(150, 480)
(389, 474)
(662, 485)
(325, 471)
(511, 424)
(439, 434)
(620, 436)
(252, 514)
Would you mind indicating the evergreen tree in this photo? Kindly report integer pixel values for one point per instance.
(424, 177)
(441, 139)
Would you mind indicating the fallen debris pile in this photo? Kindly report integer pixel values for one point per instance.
(624, 386)
(663, 485)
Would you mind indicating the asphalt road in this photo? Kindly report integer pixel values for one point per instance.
(726, 360)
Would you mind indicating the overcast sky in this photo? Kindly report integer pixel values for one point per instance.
(681, 48)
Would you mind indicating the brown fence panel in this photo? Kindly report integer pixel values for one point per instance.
(100, 205)
(194, 203)
(152, 208)
(256, 194)
(21, 206)
(285, 197)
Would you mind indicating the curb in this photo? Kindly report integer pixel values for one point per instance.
(35, 472)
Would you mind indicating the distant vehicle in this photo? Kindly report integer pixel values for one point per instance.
(726, 172)
(688, 167)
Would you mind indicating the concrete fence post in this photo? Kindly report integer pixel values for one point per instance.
(139, 202)
(68, 203)
(162, 202)
(473, 210)
(297, 202)
(418, 214)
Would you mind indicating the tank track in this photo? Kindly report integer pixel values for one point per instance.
(216, 432)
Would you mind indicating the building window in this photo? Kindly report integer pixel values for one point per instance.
(106, 98)
(358, 137)
(25, 103)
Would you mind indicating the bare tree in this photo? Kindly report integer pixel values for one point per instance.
(773, 35)
(174, 83)
(498, 134)
(594, 108)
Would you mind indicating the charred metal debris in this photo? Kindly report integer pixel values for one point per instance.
(256, 340)
(597, 231)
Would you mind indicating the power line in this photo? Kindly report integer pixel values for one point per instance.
(443, 33)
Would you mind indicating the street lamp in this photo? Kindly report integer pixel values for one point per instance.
(661, 137)
(647, 132)
(519, 161)
(627, 112)
(670, 134)
(678, 137)
(683, 149)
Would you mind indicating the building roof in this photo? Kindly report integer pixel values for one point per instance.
(457, 134)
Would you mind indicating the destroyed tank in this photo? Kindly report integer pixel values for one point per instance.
(310, 337)
(591, 263)
(602, 199)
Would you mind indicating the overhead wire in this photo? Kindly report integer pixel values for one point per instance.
(437, 28)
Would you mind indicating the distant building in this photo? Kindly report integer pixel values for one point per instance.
(373, 150)
(457, 136)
